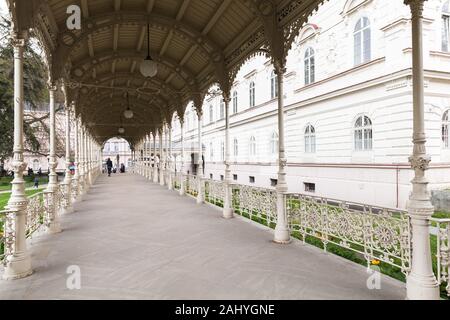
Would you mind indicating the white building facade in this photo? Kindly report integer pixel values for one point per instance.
(348, 113)
(119, 151)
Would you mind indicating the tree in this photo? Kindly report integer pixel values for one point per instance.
(35, 95)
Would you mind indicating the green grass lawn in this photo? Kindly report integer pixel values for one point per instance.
(4, 197)
(5, 182)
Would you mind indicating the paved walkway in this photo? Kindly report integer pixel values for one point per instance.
(133, 239)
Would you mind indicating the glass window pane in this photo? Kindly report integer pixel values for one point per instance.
(357, 48)
(367, 45)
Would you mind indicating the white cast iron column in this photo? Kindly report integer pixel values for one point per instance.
(147, 148)
(200, 159)
(281, 230)
(227, 210)
(82, 180)
(75, 177)
(67, 183)
(89, 158)
(52, 188)
(155, 165)
(421, 282)
(169, 158)
(161, 164)
(182, 186)
(18, 261)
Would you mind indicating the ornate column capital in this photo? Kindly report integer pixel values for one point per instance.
(280, 68)
(18, 39)
(421, 162)
(416, 7)
(52, 85)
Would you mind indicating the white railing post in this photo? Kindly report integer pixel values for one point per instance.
(227, 207)
(67, 183)
(200, 157)
(155, 165)
(182, 184)
(52, 188)
(421, 282)
(282, 234)
(18, 260)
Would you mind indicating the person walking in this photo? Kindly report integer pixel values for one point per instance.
(109, 165)
(36, 182)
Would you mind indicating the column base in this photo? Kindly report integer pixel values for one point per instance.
(67, 210)
(422, 287)
(282, 236)
(227, 214)
(18, 267)
(54, 228)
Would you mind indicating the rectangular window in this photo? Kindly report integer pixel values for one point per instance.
(235, 177)
(211, 176)
(310, 187)
(273, 182)
(222, 110)
(251, 179)
(221, 177)
(307, 72)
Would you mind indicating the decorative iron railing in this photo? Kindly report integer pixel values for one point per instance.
(257, 204)
(214, 192)
(36, 218)
(376, 233)
(176, 180)
(191, 184)
(6, 233)
(442, 253)
(74, 188)
(36, 213)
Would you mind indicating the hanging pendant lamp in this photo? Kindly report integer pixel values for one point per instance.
(128, 114)
(148, 68)
(121, 129)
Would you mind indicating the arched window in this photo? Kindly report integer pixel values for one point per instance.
(445, 124)
(222, 151)
(309, 66)
(273, 85)
(252, 146)
(446, 27)
(363, 133)
(235, 102)
(235, 147)
(274, 143)
(211, 151)
(222, 110)
(310, 139)
(361, 38)
(211, 113)
(252, 94)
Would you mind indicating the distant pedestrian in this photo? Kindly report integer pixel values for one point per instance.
(36, 182)
(109, 165)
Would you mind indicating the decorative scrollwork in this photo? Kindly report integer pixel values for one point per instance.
(214, 191)
(375, 232)
(258, 204)
(443, 251)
